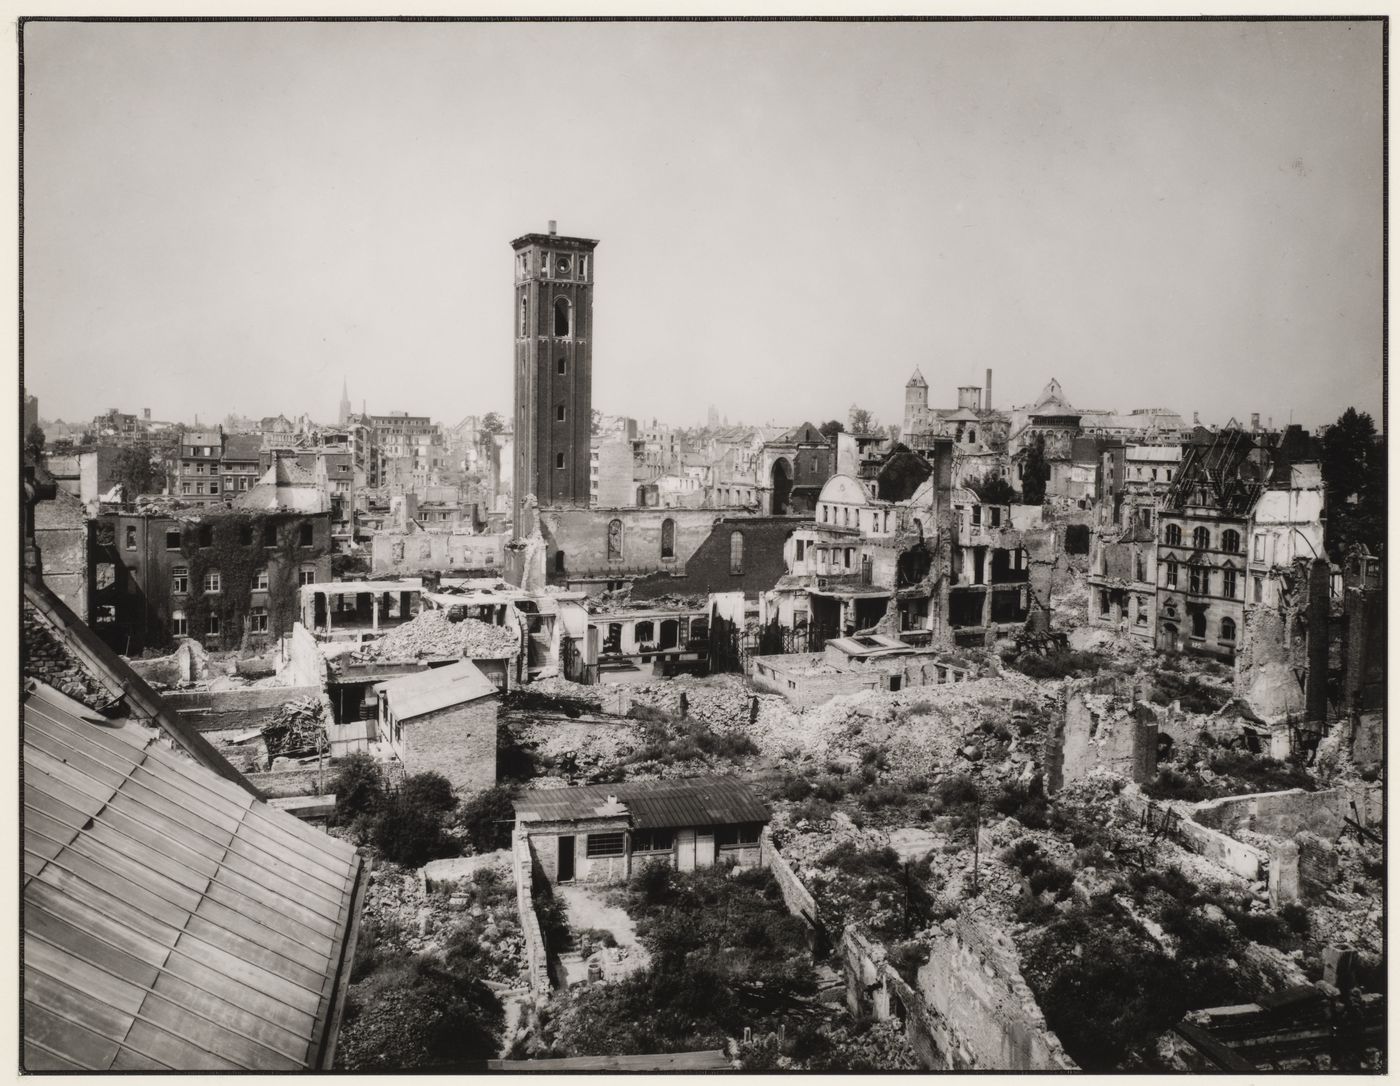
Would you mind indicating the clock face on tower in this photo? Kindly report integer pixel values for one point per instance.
(562, 265)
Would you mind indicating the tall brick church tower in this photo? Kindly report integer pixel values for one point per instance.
(553, 369)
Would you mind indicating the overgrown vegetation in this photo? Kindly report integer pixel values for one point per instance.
(725, 955)
(487, 818)
(1232, 773)
(666, 740)
(872, 887)
(1060, 664)
(1196, 694)
(407, 825)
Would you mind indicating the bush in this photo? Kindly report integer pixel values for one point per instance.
(430, 790)
(1296, 917)
(957, 791)
(1173, 785)
(907, 958)
(1262, 774)
(359, 788)
(797, 788)
(552, 914)
(1025, 803)
(409, 832)
(812, 809)
(655, 882)
(488, 819)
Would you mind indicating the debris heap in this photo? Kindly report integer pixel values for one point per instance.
(432, 633)
(297, 730)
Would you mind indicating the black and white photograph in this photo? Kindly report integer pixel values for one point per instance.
(673, 544)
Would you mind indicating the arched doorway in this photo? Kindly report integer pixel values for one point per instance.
(670, 633)
(782, 486)
(1167, 640)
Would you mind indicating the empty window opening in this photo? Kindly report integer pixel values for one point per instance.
(563, 317)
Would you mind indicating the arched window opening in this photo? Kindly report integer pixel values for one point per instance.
(1200, 539)
(736, 552)
(558, 561)
(614, 540)
(524, 315)
(1198, 624)
(1173, 535)
(1230, 541)
(668, 538)
(563, 317)
(1227, 629)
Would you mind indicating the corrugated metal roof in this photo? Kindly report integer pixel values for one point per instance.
(434, 689)
(696, 801)
(171, 920)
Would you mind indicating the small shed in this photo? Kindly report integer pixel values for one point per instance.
(602, 833)
(443, 719)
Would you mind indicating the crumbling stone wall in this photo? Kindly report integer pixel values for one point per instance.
(1277, 814)
(874, 988)
(536, 954)
(1101, 730)
(797, 897)
(1244, 860)
(989, 1018)
(230, 710)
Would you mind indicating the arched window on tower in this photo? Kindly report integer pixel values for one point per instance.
(615, 540)
(524, 315)
(668, 538)
(563, 317)
(736, 552)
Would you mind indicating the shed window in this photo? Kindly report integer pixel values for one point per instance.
(653, 840)
(746, 833)
(602, 845)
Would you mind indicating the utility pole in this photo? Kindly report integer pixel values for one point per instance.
(976, 845)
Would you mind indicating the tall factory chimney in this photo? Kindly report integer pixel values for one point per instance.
(987, 394)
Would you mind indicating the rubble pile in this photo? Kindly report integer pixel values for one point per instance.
(572, 751)
(432, 633)
(407, 917)
(296, 730)
(44, 657)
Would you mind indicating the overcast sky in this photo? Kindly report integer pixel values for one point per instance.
(233, 217)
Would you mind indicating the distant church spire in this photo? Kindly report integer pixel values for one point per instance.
(344, 401)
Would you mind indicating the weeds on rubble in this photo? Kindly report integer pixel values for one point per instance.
(956, 792)
(1195, 694)
(1024, 802)
(796, 788)
(907, 958)
(1061, 664)
(669, 741)
(1043, 873)
(551, 912)
(922, 707)
(872, 886)
(813, 809)
(725, 954)
(1263, 774)
(1171, 784)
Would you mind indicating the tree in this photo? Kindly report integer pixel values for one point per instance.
(136, 470)
(1035, 474)
(831, 429)
(862, 421)
(34, 442)
(492, 423)
(1353, 472)
(359, 787)
(595, 421)
(893, 432)
(487, 818)
(996, 490)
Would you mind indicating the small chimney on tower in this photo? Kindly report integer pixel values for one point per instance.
(987, 392)
(553, 228)
(1254, 421)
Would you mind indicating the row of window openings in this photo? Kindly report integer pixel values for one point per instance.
(213, 579)
(173, 538)
(180, 624)
(876, 525)
(821, 552)
(1200, 540)
(602, 846)
(1198, 580)
(1228, 628)
(186, 487)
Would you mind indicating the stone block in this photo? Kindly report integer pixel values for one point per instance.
(1284, 880)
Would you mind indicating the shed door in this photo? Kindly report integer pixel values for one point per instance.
(685, 849)
(566, 859)
(705, 848)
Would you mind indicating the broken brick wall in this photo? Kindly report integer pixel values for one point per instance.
(1101, 731)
